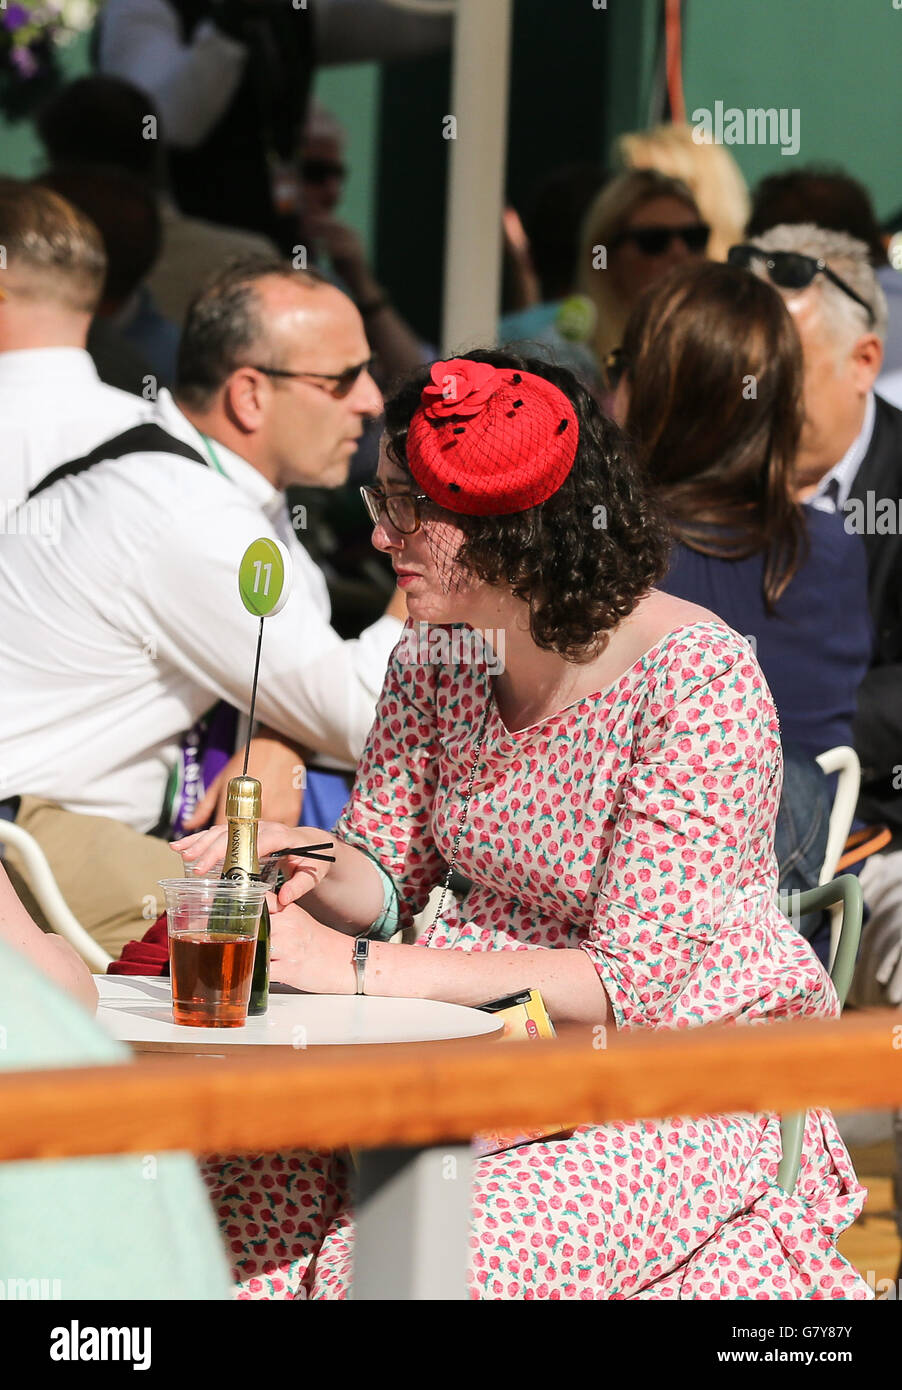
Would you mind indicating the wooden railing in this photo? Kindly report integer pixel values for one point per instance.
(410, 1111)
(424, 1094)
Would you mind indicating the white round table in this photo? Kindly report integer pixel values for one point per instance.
(137, 1009)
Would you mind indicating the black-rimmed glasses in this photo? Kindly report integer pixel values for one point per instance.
(344, 381)
(792, 270)
(401, 508)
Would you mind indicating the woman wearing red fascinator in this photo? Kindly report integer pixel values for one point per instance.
(602, 762)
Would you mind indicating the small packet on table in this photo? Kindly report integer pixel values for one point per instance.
(525, 1018)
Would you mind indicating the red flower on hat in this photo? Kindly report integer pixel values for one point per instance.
(459, 387)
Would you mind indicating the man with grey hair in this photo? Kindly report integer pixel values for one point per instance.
(850, 460)
(839, 309)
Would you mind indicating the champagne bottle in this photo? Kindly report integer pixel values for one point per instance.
(242, 864)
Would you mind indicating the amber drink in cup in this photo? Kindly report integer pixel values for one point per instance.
(213, 926)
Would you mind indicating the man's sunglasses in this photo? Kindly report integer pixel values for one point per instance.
(654, 241)
(343, 382)
(322, 170)
(791, 270)
(402, 508)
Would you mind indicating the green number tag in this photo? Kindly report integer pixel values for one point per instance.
(264, 577)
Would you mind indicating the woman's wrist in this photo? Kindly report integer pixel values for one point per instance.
(566, 977)
(349, 898)
(375, 971)
(311, 956)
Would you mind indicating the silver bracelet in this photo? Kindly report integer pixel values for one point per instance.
(361, 952)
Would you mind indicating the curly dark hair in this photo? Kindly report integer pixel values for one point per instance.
(584, 558)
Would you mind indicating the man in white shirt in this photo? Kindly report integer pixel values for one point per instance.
(53, 404)
(123, 630)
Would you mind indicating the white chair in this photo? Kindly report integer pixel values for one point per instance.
(844, 761)
(49, 898)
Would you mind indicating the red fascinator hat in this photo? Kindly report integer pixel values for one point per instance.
(487, 441)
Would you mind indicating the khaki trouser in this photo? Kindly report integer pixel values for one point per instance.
(106, 871)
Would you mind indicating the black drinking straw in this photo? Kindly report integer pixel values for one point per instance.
(250, 722)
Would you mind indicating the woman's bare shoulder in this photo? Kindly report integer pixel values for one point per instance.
(665, 613)
(658, 615)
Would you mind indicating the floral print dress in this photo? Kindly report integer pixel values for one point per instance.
(636, 825)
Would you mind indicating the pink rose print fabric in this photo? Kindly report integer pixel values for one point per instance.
(637, 826)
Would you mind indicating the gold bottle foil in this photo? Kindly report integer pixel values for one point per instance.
(242, 814)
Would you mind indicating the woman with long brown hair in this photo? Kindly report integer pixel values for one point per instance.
(710, 391)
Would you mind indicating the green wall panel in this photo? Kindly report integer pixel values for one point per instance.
(837, 61)
(352, 94)
(20, 150)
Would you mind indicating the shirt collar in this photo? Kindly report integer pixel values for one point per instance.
(26, 366)
(231, 465)
(832, 492)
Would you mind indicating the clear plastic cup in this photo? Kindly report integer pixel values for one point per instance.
(214, 871)
(269, 870)
(213, 924)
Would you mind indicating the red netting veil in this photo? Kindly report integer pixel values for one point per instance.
(489, 441)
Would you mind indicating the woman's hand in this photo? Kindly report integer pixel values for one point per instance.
(308, 955)
(205, 849)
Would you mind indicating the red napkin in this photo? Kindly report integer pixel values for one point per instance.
(149, 956)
